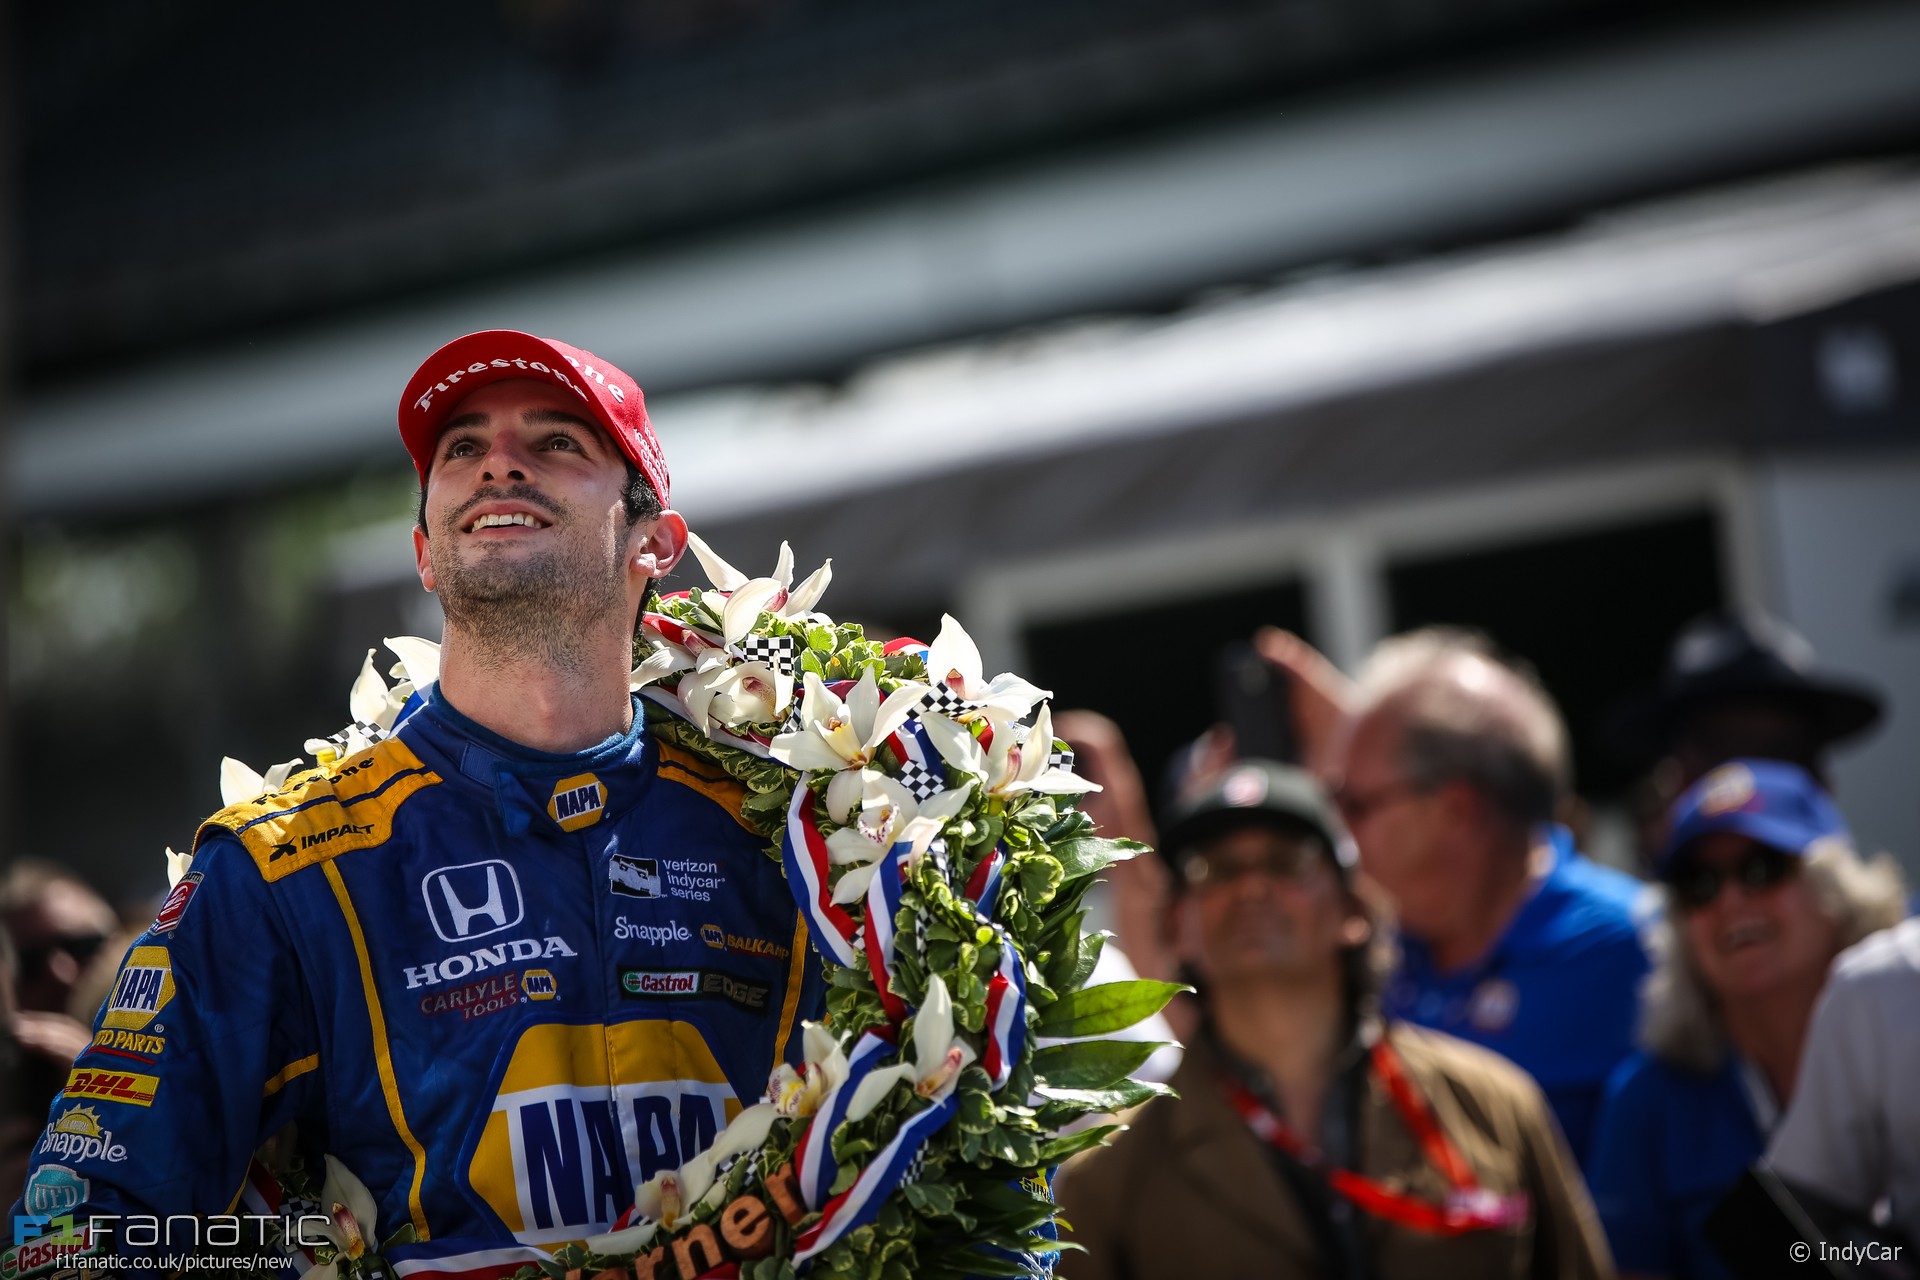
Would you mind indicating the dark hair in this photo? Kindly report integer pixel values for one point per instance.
(641, 501)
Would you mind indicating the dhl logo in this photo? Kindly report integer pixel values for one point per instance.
(577, 802)
(115, 1086)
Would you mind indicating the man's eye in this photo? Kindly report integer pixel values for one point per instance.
(562, 442)
(460, 449)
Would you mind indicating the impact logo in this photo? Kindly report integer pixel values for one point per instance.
(473, 900)
(577, 802)
(583, 1113)
(142, 990)
(77, 1135)
(634, 877)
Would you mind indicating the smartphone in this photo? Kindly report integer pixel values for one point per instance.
(1257, 701)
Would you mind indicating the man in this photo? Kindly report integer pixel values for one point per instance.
(511, 960)
(1450, 773)
(1852, 1133)
(1744, 686)
(1310, 1137)
(1735, 687)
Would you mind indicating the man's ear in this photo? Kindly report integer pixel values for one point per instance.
(422, 561)
(655, 546)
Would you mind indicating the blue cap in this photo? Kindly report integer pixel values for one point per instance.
(1776, 804)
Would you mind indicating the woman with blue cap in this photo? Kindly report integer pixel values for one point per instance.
(1762, 889)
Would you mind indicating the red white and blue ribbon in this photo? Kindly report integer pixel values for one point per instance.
(983, 885)
(1006, 1014)
(883, 906)
(817, 1169)
(803, 852)
(813, 1162)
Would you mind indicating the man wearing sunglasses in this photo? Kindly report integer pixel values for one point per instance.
(1763, 890)
(1311, 1136)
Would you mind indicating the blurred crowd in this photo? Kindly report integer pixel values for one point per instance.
(1428, 1035)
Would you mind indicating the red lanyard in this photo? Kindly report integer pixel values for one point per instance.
(1468, 1206)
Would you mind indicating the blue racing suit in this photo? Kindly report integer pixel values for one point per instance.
(501, 986)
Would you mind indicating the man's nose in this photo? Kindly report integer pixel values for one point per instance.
(505, 459)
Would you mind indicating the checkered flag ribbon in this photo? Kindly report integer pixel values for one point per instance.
(916, 1168)
(775, 651)
(922, 782)
(1060, 758)
(342, 743)
(946, 701)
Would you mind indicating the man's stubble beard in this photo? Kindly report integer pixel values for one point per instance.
(546, 607)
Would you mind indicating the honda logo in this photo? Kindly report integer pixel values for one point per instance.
(473, 900)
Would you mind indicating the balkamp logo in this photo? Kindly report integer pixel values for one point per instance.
(538, 984)
(142, 990)
(114, 1086)
(741, 944)
(577, 801)
(584, 1113)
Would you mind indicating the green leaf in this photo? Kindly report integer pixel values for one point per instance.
(1091, 945)
(1092, 1064)
(1128, 1093)
(1085, 855)
(1110, 1007)
(1060, 1148)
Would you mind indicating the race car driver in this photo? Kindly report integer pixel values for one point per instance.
(507, 962)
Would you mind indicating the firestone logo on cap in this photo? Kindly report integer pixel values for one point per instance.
(612, 398)
(450, 379)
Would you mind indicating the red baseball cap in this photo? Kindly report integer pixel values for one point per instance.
(610, 396)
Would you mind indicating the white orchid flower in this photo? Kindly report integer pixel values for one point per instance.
(178, 865)
(631, 1239)
(787, 600)
(844, 735)
(419, 663)
(666, 659)
(658, 1198)
(745, 1133)
(938, 1056)
(823, 1068)
(367, 700)
(1013, 764)
(954, 661)
(888, 815)
(239, 783)
(736, 694)
(352, 1221)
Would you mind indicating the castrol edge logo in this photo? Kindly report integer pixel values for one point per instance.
(584, 1113)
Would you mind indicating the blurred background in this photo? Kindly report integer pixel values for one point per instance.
(1116, 328)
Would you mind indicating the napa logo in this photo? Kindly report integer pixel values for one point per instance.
(538, 984)
(583, 1113)
(577, 801)
(141, 991)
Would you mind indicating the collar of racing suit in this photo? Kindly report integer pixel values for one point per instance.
(506, 767)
